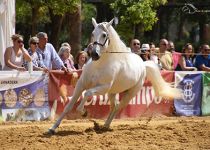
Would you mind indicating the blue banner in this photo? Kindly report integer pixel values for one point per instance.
(24, 96)
(191, 84)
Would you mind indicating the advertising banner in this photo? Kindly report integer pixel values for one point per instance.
(23, 96)
(191, 84)
(144, 103)
(206, 94)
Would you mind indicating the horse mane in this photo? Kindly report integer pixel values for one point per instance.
(116, 44)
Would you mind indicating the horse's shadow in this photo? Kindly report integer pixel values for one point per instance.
(61, 133)
(99, 129)
(96, 128)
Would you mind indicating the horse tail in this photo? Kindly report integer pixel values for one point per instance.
(161, 87)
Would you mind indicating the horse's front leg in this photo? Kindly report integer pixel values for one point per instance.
(77, 93)
(98, 90)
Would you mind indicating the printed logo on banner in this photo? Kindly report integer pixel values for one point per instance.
(145, 96)
(27, 101)
(189, 95)
(191, 84)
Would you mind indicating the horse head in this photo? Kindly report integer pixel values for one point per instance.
(100, 38)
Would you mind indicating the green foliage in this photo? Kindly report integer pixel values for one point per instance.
(88, 11)
(138, 11)
(23, 11)
(60, 7)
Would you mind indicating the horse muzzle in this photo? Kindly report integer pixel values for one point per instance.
(95, 56)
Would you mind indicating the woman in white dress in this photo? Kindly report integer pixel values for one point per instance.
(15, 55)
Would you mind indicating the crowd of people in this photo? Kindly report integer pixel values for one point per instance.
(43, 56)
(167, 58)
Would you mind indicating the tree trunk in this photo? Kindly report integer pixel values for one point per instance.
(56, 23)
(75, 30)
(202, 24)
(180, 28)
(34, 16)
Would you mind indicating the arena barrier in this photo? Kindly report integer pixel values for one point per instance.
(34, 96)
(23, 96)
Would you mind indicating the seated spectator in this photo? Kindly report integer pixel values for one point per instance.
(50, 57)
(153, 54)
(0, 66)
(64, 54)
(68, 45)
(89, 51)
(165, 56)
(80, 60)
(37, 60)
(202, 61)
(145, 52)
(175, 55)
(15, 55)
(186, 61)
(135, 46)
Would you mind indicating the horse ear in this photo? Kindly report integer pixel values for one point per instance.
(110, 23)
(94, 22)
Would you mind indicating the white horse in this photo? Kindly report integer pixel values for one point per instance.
(114, 69)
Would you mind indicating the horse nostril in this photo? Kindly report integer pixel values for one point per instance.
(94, 56)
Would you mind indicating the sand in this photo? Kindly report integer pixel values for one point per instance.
(145, 133)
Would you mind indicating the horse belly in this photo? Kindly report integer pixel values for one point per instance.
(127, 80)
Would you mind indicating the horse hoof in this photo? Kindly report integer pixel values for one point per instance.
(51, 132)
(85, 114)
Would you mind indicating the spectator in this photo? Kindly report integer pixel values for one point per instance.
(50, 57)
(186, 61)
(165, 56)
(65, 44)
(145, 52)
(175, 55)
(64, 54)
(80, 59)
(153, 53)
(89, 51)
(37, 60)
(15, 55)
(68, 45)
(0, 66)
(202, 62)
(135, 46)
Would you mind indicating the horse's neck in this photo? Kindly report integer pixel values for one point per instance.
(117, 48)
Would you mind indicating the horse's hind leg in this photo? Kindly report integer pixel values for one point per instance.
(113, 108)
(128, 95)
(99, 90)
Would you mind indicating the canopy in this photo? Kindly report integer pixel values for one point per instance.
(7, 25)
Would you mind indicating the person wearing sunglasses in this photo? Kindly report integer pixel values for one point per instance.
(185, 63)
(202, 61)
(135, 46)
(37, 60)
(15, 55)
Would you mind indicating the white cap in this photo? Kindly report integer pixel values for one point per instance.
(145, 47)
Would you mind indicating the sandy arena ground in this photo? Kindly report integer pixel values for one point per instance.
(145, 133)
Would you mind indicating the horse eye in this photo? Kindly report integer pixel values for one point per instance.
(104, 35)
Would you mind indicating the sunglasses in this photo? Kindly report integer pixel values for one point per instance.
(19, 41)
(207, 50)
(136, 43)
(163, 44)
(34, 43)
